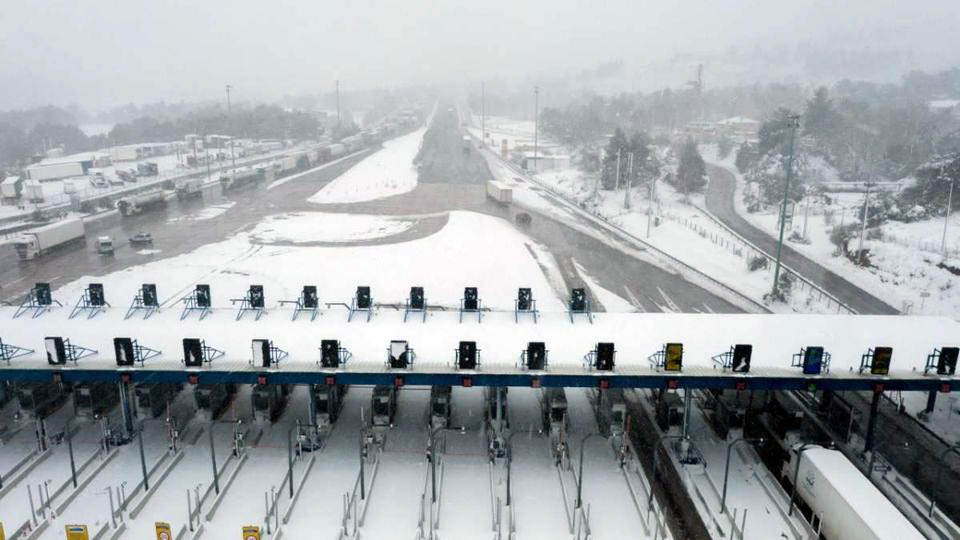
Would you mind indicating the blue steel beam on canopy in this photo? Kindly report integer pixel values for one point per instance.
(486, 378)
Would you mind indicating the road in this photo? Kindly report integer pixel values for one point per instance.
(719, 197)
(179, 228)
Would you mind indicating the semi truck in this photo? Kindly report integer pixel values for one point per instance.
(499, 192)
(135, 204)
(36, 242)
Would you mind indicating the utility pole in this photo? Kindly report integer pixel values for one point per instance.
(233, 157)
(946, 220)
(483, 114)
(794, 124)
(616, 184)
(626, 193)
(536, 123)
(863, 226)
(338, 104)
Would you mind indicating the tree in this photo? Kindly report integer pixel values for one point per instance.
(724, 146)
(618, 145)
(932, 187)
(774, 135)
(691, 171)
(746, 157)
(820, 118)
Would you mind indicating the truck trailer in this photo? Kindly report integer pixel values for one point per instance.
(499, 192)
(36, 242)
(135, 204)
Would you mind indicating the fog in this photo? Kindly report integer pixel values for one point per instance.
(98, 54)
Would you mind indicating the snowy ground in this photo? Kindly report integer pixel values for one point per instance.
(904, 260)
(389, 171)
(301, 228)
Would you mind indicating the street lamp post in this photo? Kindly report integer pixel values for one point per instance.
(726, 470)
(653, 476)
(794, 123)
(946, 219)
(536, 124)
(583, 443)
(509, 450)
(796, 473)
(940, 477)
(433, 458)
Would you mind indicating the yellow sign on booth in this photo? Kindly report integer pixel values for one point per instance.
(674, 357)
(77, 532)
(251, 532)
(2, 536)
(163, 531)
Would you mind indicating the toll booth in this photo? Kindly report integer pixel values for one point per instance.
(495, 411)
(39, 399)
(152, 398)
(362, 301)
(268, 401)
(669, 410)
(213, 399)
(308, 302)
(553, 407)
(383, 403)
(253, 301)
(440, 406)
(579, 304)
(416, 303)
(94, 399)
(612, 408)
(325, 403)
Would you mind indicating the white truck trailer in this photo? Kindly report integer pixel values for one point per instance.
(845, 504)
(36, 242)
(499, 192)
(135, 204)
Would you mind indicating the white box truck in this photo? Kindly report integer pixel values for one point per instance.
(35, 242)
(499, 192)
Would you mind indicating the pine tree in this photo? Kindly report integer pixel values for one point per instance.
(820, 117)
(618, 143)
(691, 171)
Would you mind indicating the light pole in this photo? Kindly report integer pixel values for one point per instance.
(213, 460)
(793, 124)
(653, 476)
(233, 157)
(946, 219)
(583, 443)
(483, 114)
(940, 478)
(796, 473)
(536, 124)
(726, 470)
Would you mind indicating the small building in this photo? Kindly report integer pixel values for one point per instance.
(11, 187)
(950, 106)
(137, 152)
(740, 128)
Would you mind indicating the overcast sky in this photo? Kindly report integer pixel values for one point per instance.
(99, 53)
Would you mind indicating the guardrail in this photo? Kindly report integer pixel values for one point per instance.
(602, 221)
(841, 307)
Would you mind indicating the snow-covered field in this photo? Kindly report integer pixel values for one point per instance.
(318, 227)
(471, 250)
(389, 171)
(903, 260)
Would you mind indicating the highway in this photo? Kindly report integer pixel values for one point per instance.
(719, 197)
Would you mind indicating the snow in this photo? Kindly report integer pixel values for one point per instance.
(610, 301)
(904, 261)
(309, 227)
(285, 179)
(387, 172)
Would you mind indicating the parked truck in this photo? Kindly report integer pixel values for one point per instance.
(500, 192)
(35, 242)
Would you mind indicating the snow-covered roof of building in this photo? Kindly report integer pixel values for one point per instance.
(10, 180)
(72, 158)
(738, 120)
(943, 103)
